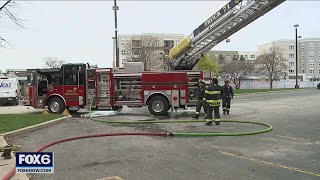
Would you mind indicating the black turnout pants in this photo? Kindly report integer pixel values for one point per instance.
(226, 103)
(200, 103)
(214, 109)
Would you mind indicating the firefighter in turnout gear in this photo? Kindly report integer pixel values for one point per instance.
(212, 98)
(227, 95)
(199, 92)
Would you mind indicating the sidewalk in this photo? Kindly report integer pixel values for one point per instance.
(7, 164)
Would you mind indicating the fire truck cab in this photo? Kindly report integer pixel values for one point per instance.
(76, 86)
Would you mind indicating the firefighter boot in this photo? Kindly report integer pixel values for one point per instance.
(228, 111)
(196, 116)
(208, 123)
(217, 121)
(224, 111)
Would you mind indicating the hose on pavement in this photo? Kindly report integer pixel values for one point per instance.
(191, 134)
(163, 134)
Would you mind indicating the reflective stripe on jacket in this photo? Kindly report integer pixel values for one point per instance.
(212, 95)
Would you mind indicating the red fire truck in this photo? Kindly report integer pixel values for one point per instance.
(74, 86)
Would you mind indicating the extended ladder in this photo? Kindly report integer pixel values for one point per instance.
(230, 19)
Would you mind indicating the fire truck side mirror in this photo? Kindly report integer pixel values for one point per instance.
(28, 78)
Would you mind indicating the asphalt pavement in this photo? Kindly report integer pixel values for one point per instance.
(290, 151)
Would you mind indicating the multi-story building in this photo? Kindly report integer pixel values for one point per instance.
(288, 51)
(221, 56)
(308, 57)
(248, 55)
(234, 55)
(130, 46)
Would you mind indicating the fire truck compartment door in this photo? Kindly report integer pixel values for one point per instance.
(182, 97)
(175, 98)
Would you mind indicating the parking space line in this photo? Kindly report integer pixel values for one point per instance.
(271, 163)
(294, 138)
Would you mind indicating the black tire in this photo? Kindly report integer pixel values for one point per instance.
(54, 102)
(158, 101)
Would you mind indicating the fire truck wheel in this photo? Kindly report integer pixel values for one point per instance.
(158, 106)
(56, 106)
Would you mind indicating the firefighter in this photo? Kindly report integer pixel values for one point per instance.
(227, 95)
(199, 92)
(212, 98)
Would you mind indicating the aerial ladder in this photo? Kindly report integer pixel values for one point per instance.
(232, 17)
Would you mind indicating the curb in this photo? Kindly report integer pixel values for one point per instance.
(7, 164)
(34, 127)
(247, 94)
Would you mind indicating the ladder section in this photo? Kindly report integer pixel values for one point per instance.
(219, 29)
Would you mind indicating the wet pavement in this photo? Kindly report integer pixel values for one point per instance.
(289, 151)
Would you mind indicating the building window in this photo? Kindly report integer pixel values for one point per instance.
(253, 56)
(302, 54)
(302, 46)
(168, 43)
(302, 71)
(291, 71)
(157, 43)
(291, 47)
(311, 62)
(311, 54)
(291, 63)
(123, 42)
(311, 70)
(291, 55)
(123, 52)
(312, 46)
(246, 56)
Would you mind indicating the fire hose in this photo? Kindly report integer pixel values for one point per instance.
(269, 127)
(164, 134)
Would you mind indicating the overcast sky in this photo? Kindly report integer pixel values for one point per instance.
(82, 31)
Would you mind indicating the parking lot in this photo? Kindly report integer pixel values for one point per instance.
(289, 151)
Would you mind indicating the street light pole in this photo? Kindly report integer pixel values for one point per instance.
(296, 27)
(115, 8)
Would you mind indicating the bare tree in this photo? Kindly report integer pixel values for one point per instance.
(6, 11)
(142, 48)
(271, 64)
(238, 71)
(53, 62)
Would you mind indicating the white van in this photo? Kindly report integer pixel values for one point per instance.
(9, 91)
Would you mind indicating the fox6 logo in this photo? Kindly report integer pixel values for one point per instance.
(30, 162)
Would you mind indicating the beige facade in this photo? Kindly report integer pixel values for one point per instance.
(308, 57)
(163, 45)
